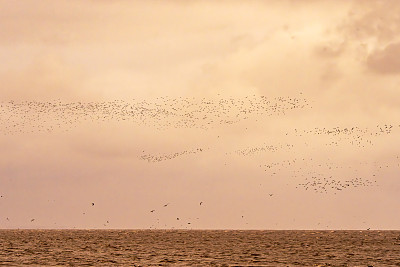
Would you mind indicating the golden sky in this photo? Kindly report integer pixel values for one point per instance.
(342, 58)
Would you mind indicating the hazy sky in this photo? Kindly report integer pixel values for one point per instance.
(342, 57)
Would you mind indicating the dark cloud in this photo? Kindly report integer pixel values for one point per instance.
(329, 50)
(385, 61)
(372, 19)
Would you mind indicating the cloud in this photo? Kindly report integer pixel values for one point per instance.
(385, 61)
(378, 20)
(46, 77)
(111, 50)
(330, 50)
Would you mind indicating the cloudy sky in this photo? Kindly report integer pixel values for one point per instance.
(342, 57)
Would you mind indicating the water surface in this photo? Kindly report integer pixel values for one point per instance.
(199, 247)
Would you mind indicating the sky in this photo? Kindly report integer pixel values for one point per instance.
(200, 80)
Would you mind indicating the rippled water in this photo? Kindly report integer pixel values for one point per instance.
(198, 248)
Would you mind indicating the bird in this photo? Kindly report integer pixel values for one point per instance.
(152, 210)
(165, 205)
(92, 203)
(201, 203)
(32, 220)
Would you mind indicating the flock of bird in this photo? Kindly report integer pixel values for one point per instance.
(322, 184)
(254, 150)
(163, 157)
(248, 151)
(354, 135)
(201, 113)
(323, 177)
(163, 112)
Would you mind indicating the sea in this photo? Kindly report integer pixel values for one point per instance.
(199, 248)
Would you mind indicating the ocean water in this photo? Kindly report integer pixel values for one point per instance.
(199, 248)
